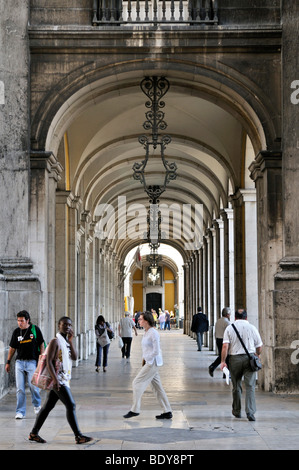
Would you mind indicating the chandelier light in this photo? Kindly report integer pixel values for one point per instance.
(154, 145)
(155, 89)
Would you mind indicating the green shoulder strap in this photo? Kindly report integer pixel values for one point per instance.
(34, 334)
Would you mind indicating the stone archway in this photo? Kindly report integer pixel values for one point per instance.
(98, 114)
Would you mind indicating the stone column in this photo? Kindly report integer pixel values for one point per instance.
(19, 286)
(45, 173)
(204, 301)
(214, 287)
(248, 197)
(72, 295)
(191, 271)
(200, 275)
(286, 285)
(220, 301)
(239, 250)
(229, 256)
(62, 248)
(207, 309)
(187, 318)
(266, 172)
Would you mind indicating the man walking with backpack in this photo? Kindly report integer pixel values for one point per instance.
(28, 341)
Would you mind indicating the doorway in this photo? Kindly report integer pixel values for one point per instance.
(153, 300)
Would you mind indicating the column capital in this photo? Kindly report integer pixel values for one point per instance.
(74, 202)
(227, 213)
(243, 195)
(42, 160)
(218, 223)
(265, 160)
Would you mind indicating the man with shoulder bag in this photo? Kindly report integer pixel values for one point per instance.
(242, 341)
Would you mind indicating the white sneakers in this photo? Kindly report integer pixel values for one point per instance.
(36, 411)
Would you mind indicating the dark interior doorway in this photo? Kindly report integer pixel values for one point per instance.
(153, 300)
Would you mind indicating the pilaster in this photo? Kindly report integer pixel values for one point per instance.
(267, 174)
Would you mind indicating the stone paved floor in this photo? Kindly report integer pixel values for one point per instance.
(201, 407)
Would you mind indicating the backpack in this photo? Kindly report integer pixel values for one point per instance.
(33, 329)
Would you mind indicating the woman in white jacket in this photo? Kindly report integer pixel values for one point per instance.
(149, 373)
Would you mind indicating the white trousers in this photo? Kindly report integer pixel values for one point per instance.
(149, 375)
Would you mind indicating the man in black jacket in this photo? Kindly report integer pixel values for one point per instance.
(199, 325)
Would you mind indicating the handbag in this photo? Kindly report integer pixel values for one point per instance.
(103, 339)
(120, 342)
(110, 333)
(41, 377)
(255, 362)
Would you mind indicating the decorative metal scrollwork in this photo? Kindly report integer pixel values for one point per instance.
(155, 88)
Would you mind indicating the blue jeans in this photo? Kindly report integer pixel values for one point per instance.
(25, 369)
(199, 340)
(105, 350)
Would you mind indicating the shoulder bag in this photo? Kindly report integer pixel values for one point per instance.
(42, 377)
(255, 362)
(103, 339)
(111, 332)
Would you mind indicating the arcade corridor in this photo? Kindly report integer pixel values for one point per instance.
(202, 418)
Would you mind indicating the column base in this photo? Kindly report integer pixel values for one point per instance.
(19, 290)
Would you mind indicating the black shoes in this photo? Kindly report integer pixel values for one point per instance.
(250, 417)
(131, 414)
(211, 371)
(167, 415)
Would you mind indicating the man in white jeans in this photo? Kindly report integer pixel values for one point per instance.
(149, 374)
(239, 364)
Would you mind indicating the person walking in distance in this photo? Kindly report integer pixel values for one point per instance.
(239, 364)
(149, 373)
(102, 330)
(200, 325)
(125, 327)
(62, 348)
(28, 341)
(220, 327)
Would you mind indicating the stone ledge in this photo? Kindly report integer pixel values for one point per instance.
(16, 269)
(289, 269)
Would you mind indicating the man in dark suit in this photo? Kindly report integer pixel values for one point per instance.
(199, 325)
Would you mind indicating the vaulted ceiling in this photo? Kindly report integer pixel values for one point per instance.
(103, 126)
